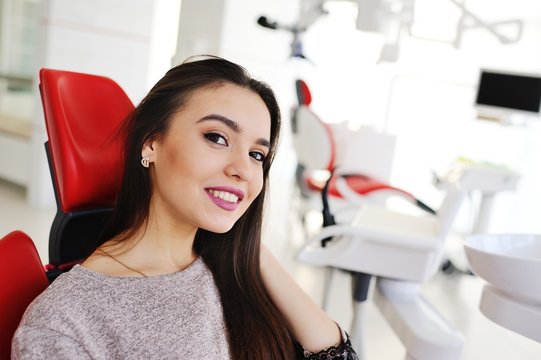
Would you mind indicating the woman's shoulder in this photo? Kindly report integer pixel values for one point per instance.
(50, 314)
(82, 290)
(62, 296)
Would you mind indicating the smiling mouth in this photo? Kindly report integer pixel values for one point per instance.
(224, 195)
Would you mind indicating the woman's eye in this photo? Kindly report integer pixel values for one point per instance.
(216, 138)
(257, 155)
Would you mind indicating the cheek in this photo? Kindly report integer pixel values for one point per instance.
(179, 160)
(169, 170)
(257, 186)
(255, 191)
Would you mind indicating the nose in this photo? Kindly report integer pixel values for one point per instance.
(239, 166)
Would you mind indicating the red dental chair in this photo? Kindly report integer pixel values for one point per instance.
(83, 114)
(23, 278)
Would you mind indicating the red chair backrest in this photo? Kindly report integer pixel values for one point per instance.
(313, 139)
(22, 278)
(304, 96)
(82, 114)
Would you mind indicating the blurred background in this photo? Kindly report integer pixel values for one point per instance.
(408, 68)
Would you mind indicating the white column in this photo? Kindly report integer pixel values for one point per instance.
(200, 28)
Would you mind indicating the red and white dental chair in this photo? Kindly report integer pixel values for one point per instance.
(360, 160)
(401, 250)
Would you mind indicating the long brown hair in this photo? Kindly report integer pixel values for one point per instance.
(256, 328)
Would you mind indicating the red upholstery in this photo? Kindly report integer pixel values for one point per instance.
(82, 115)
(332, 158)
(22, 278)
(304, 96)
(361, 184)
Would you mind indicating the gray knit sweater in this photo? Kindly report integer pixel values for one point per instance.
(87, 315)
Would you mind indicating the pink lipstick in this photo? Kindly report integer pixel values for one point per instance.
(225, 197)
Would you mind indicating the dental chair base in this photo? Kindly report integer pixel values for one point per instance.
(423, 331)
(421, 328)
(408, 249)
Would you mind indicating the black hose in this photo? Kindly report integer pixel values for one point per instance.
(328, 218)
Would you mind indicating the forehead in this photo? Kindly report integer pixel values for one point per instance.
(242, 105)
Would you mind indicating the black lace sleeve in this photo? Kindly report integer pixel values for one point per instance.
(341, 351)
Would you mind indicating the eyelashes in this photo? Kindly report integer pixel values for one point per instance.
(219, 139)
(259, 156)
(216, 138)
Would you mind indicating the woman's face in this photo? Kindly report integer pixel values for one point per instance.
(208, 167)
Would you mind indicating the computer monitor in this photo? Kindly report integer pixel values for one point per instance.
(501, 95)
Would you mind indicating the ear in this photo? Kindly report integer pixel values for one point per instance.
(148, 149)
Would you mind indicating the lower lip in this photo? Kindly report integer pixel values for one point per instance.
(226, 205)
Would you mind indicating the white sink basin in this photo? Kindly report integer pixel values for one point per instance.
(510, 263)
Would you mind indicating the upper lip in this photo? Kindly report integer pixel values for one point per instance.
(239, 193)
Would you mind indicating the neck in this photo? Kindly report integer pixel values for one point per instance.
(159, 247)
(167, 250)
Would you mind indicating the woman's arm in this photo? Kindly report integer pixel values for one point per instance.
(310, 325)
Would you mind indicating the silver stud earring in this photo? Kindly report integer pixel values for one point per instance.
(145, 161)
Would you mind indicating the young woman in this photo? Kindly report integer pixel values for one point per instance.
(181, 272)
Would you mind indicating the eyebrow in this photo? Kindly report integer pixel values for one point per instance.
(233, 125)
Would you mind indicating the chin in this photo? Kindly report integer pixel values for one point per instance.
(219, 228)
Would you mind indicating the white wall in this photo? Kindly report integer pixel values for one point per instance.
(130, 41)
(431, 110)
(426, 98)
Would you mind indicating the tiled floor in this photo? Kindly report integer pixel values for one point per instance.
(456, 296)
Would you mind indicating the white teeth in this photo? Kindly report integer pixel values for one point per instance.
(224, 195)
